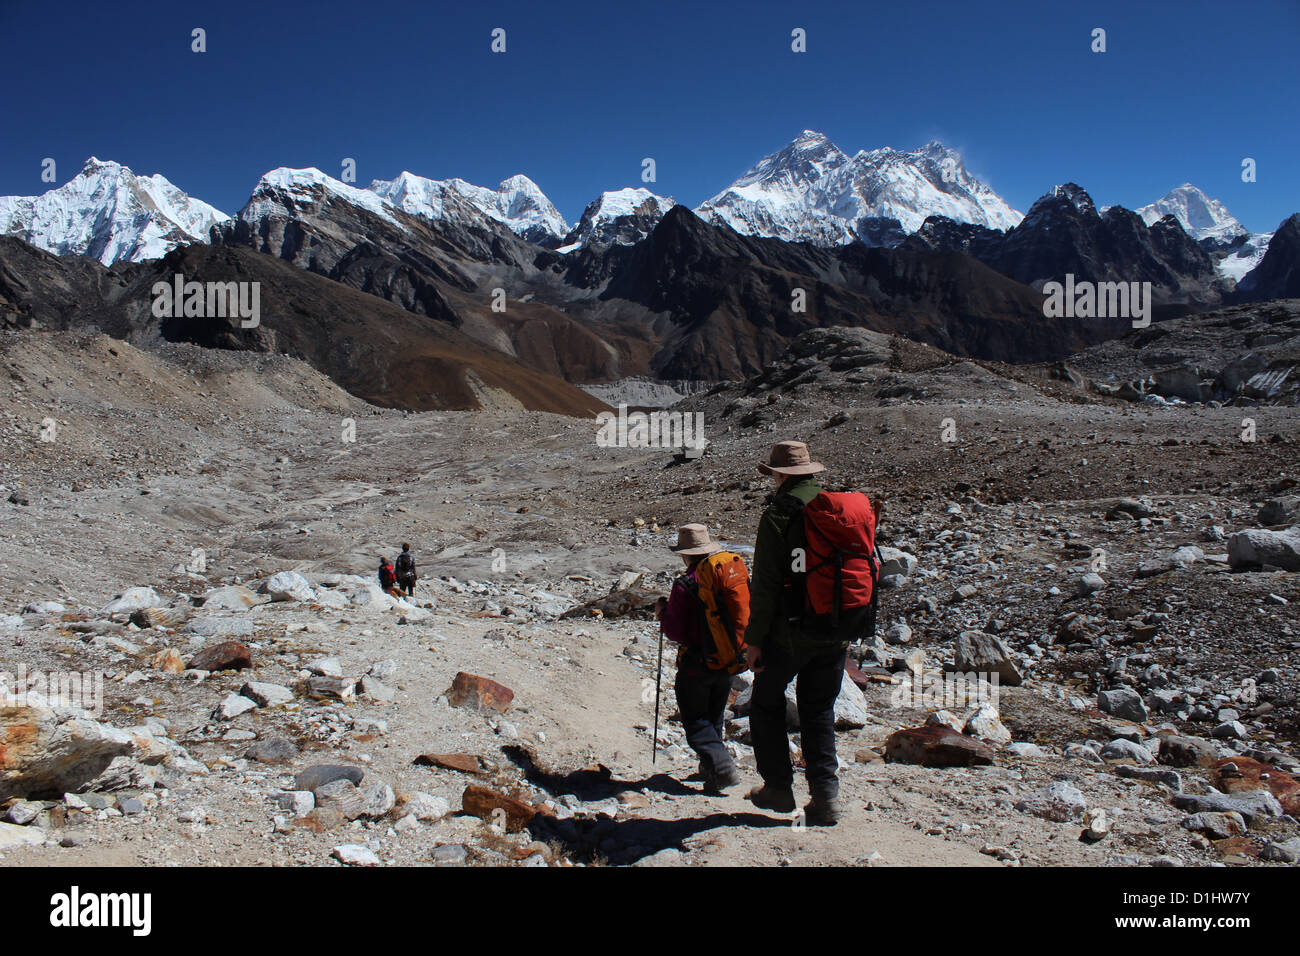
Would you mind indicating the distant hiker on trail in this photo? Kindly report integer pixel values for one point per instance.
(706, 615)
(406, 570)
(388, 578)
(812, 594)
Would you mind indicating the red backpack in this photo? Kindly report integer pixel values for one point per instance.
(834, 568)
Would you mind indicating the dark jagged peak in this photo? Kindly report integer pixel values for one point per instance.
(1278, 274)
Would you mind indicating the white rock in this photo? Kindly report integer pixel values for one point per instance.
(132, 599)
(233, 706)
(287, 586)
(355, 854)
(425, 806)
(12, 836)
(983, 722)
(266, 695)
(326, 667)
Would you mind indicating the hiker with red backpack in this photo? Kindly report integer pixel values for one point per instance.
(388, 578)
(812, 594)
(706, 615)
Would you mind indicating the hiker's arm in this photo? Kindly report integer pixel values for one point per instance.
(768, 574)
(673, 620)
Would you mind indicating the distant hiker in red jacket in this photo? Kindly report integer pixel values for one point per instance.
(388, 578)
(706, 614)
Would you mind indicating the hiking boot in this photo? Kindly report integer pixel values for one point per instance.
(719, 782)
(772, 798)
(823, 811)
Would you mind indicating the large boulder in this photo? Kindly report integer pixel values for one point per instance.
(1257, 546)
(287, 586)
(52, 750)
(985, 654)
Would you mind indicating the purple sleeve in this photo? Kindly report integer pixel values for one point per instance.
(676, 618)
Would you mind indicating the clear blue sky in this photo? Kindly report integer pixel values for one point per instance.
(1186, 89)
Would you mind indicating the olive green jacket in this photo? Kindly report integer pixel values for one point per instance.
(772, 560)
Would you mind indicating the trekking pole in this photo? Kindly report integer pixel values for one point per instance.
(659, 673)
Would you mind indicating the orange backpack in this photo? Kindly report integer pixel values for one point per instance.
(722, 587)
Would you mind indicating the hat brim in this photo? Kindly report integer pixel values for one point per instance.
(812, 468)
(711, 548)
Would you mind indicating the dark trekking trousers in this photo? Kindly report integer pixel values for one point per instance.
(820, 672)
(701, 700)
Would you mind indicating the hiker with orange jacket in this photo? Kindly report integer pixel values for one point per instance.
(706, 615)
(813, 587)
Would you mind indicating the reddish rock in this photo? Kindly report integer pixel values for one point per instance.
(497, 808)
(226, 656)
(1238, 849)
(855, 674)
(936, 746)
(1252, 774)
(479, 693)
(464, 763)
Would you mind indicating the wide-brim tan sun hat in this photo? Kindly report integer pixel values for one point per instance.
(790, 458)
(693, 539)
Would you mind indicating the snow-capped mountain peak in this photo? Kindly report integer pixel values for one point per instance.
(1200, 216)
(812, 191)
(109, 213)
(517, 203)
(280, 193)
(618, 216)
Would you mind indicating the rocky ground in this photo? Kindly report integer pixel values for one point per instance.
(199, 530)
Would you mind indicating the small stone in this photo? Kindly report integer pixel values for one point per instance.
(1089, 583)
(1286, 852)
(479, 693)
(1229, 730)
(326, 667)
(226, 656)
(276, 750)
(375, 689)
(313, 778)
(233, 706)
(24, 812)
(423, 806)
(266, 695)
(298, 802)
(1127, 750)
(343, 796)
(355, 854)
(1058, 801)
(1096, 825)
(450, 854)
(1216, 826)
(1122, 702)
(332, 688)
